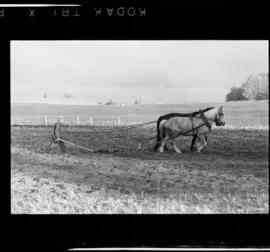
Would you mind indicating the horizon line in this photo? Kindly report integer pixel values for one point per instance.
(125, 104)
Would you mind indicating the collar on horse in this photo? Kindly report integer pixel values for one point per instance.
(205, 121)
(208, 125)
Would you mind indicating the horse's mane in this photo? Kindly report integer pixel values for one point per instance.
(168, 116)
(197, 112)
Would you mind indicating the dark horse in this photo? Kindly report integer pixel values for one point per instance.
(170, 115)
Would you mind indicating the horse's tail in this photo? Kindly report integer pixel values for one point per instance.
(158, 133)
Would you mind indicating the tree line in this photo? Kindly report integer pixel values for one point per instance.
(255, 88)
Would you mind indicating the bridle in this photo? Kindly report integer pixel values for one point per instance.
(218, 118)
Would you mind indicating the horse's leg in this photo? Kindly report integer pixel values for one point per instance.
(206, 137)
(163, 136)
(162, 145)
(175, 146)
(160, 135)
(168, 143)
(164, 141)
(201, 138)
(163, 133)
(193, 142)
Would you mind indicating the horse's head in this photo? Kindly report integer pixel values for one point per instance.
(219, 118)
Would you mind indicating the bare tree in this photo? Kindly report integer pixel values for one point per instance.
(256, 87)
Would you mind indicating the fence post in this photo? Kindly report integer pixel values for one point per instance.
(46, 120)
(91, 121)
(38, 119)
(78, 120)
(119, 121)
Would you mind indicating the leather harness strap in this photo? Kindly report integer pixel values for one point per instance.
(191, 118)
(208, 125)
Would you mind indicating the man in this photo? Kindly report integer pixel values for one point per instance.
(56, 139)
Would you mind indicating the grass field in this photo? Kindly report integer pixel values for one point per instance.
(230, 176)
(238, 114)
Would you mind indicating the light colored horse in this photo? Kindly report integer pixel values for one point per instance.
(190, 126)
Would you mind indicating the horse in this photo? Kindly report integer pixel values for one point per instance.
(170, 115)
(197, 124)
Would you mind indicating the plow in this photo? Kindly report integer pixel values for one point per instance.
(57, 139)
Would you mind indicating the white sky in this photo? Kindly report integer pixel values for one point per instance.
(156, 71)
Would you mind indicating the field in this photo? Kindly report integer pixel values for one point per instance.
(124, 175)
(238, 114)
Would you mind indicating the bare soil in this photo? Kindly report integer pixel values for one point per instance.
(234, 166)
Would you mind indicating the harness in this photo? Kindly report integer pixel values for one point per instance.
(191, 118)
(205, 121)
(207, 124)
